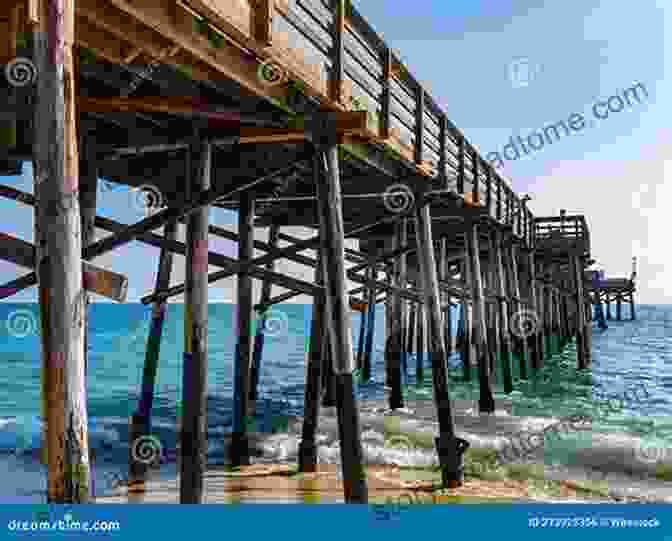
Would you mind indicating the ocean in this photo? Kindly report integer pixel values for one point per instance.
(628, 355)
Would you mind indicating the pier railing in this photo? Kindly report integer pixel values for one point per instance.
(562, 234)
(341, 59)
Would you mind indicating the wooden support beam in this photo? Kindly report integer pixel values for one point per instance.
(259, 339)
(393, 343)
(225, 62)
(58, 261)
(504, 335)
(486, 402)
(139, 229)
(308, 448)
(141, 421)
(340, 337)
(466, 319)
(533, 318)
(195, 368)
(97, 280)
(370, 323)
(240, 452)
(582, 358)
(449, 448)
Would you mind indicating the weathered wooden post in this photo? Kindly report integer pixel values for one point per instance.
(361, 343)
(262, 317)
(588, 327)
(542, 314)
(393, 346)
(504, 336)
(370, 323)
(533, 338)
(466, 319)
(328, 379)
(632, 306)
(619, 297)
(307, 447)
(580, 312)
(412, 323)
(402, 277)
(195, 368)
(141, 424)
(493, 306)
(449, 326)
(521, 348)
(58, 241)
(240, 453)
(449, 448)
(337, 306)
(420, 335)
(486, 402)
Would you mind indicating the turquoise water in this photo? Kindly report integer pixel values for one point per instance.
(628, 355)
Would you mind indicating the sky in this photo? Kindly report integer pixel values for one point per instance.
(506, 69)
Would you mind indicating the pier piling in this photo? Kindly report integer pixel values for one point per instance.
(307, 447)
(340, 336)
(58, 240)
(194, 445)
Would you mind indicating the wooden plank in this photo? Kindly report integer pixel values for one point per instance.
(120, 25)
(91, 37)
(234, 17)
(97, 280)
(228, 61)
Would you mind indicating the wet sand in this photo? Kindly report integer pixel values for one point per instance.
(278, 483)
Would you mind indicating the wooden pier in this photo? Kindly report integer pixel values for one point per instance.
(295, 115)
